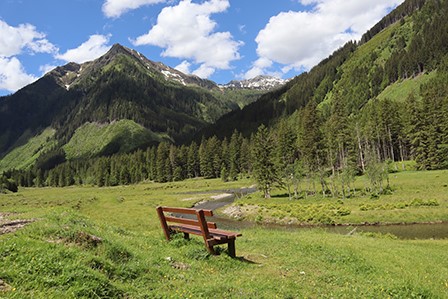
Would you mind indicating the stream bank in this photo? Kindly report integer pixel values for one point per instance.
(407, 231)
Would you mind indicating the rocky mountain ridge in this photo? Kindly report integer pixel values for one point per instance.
(70, 73)
(261, 82)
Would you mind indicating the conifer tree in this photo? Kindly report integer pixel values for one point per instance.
(311, 143)
(245, 157)
(162, 167)
(205, 160)
(263, 159)
(234, 155)
(193, 169)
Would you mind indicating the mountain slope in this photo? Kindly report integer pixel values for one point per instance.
(120, 85)
(411, 40)
(125, 85)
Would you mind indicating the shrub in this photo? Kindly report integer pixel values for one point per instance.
(7, 185)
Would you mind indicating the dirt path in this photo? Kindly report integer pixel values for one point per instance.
(10, 226)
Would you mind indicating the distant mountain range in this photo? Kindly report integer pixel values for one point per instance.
(261, 82)
(122, 87)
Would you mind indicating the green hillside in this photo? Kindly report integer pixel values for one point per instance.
(93, 139)
(409, 42)
(400, 90)
(24, 156)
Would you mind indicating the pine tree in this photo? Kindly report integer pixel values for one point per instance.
(285, 152)
(263, 160)
(245, 157)
(162, 167)
(311, 144)
(434, 132)
(193, 169)
(205, 160)
(39, 182)
(234, 155)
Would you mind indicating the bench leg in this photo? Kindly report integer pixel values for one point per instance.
(231, 247)
(166, 230)
(186, 236)
(211, 250)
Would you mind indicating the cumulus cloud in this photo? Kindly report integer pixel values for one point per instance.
(184, 67)
(300, 39)
(94, 47)
(258, 68)
(186, 31)
(115, 8)
(46, 68)
(204, 71)
(12, 74)
(15, 41)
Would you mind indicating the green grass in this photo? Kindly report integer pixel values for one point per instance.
(58, 257)
(415, 196)
(24, 156)
(92, 139)
(400, 90)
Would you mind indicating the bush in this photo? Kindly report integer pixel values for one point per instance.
(7, 185)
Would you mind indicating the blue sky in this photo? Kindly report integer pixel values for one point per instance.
(221, 40)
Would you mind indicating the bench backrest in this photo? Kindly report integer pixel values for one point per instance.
(199, 222)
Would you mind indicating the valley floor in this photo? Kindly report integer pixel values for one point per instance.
(107, 242)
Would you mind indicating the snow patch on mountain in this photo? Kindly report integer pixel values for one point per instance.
(259, 83)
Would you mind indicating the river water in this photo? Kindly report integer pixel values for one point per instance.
(402, 231)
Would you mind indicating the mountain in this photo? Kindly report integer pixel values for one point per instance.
(159, 102)
(73, 73)
(393, 59)
(375, 95)
(261, 82)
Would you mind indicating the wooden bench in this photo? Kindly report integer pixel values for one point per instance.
(197, 226)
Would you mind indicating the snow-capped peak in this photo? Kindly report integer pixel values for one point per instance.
(260, 83)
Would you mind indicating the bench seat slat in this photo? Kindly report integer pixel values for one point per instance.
(225, 233)
(187, 229)
(215, 233)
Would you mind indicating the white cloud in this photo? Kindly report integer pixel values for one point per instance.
(115, 8)
(93, 48)
(46, 68)
(186, 31)
(13, 42)
(14, 39)
(301, 39)
(184, 67)
(12, 74)
(204, 71)
(258, 68)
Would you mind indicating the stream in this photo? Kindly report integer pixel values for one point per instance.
(402, 231)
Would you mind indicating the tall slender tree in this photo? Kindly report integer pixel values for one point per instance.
(265, 170)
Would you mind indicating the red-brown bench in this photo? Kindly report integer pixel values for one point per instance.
(174, 223)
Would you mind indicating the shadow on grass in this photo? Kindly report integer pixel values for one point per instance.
(244, 260)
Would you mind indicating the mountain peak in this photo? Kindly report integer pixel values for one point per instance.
(260, 82)
(117, 49)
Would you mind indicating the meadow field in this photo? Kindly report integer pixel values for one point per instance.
(90, 242)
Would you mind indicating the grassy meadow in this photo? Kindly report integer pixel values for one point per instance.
(414, 197)
(89, 242)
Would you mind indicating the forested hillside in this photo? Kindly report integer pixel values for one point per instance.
(369, 104)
